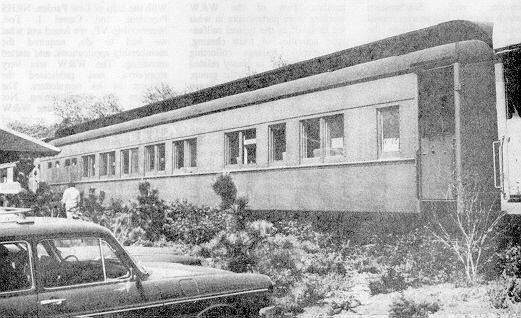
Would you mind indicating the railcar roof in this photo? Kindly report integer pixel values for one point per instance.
(44, 226)
(448, 32)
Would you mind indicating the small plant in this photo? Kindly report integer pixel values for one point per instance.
(149, 212)
(468, 228)
(404, 307)
(226, 189)
(389, 282)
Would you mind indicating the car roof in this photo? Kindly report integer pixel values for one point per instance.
(45, 226)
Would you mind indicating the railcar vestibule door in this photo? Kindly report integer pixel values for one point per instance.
(436, 127)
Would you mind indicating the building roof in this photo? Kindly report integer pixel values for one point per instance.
(13, 141)
(444, 33)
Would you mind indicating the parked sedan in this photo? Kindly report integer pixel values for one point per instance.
(60, 267)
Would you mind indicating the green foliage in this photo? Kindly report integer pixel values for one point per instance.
(389, 282)
(76, 109)
(404, 260)
(404, 307)
(225, 188)
(149, 212)
(509, 261)
(43, 202)
(158, 93)
(92, 206)
(191, 224)
(303, 272)
(469, 227)
(37, 130)
(506, 291)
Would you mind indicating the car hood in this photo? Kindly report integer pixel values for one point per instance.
(160, 270)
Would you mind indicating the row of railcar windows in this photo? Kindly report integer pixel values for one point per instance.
(320, 138)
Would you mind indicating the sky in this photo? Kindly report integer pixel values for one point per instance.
(59, 47)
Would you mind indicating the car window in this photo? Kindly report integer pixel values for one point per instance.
(74, 261)
(114, 268)
(15, 269)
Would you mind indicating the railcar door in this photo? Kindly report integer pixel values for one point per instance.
(437, 124)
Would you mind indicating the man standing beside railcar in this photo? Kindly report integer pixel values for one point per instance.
(71, 201)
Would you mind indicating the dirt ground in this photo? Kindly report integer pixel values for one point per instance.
(454, 302)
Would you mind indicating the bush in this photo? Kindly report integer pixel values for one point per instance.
(149, 212)
(193, 225)
(226, 189)
(404, 307)
(404, 260)
(509, 261)
(506, 291)
(389, 282)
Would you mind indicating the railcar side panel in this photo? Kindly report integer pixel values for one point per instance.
(363, 177)
(479, 127)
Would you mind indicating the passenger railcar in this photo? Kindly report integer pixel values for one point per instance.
(389, 126)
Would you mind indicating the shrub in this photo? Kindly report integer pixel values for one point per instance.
(509, 261)
(404, 260)
(93, 208)
(149, 212)
(504, 292)
(469, 227)
(236, 250)
(404, 307)
(389, 282)
(191, 224)
(226, 189)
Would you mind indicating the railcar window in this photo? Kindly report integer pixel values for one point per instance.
(89, 166)
(241, 147)
(155, 157)
(129, 161)
(277, 142)
(74, 161)
(67, 162)
(57, 164)
(334, 135)
(107, 164)
(192, 152)
(49, 165)
(179, 154)
(389, 129)
(322, 137)
(3, 175)
(436, 98)
(185, 153)
(311, 138)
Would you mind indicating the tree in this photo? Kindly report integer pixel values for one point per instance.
(158, 93)
(71, 110)
(79, 108)
(38, 130)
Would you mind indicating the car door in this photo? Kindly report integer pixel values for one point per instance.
(84, 277)
(18, 297)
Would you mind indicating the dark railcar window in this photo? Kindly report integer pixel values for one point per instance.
(389, 129)
(241, 147)
(277, 142)
(436, 94)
